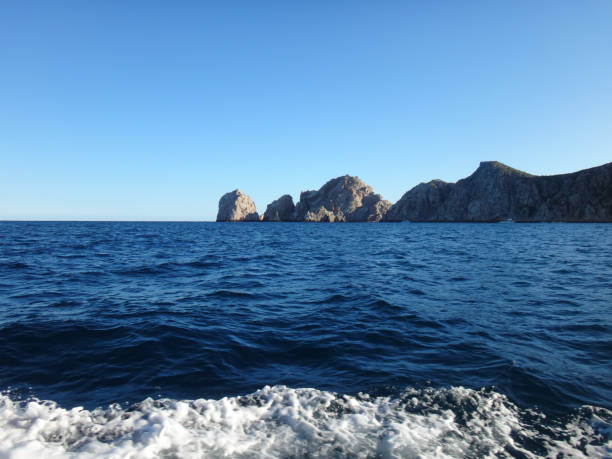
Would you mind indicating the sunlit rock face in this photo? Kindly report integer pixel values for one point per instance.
(343, 199)
(281, 210)
(496, 192)
(236, 206)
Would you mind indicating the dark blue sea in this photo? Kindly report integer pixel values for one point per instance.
(123, 339)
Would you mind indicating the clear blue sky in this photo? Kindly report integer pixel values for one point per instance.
(154, 109)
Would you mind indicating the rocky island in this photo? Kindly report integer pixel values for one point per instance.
(494, 192)
(343, 199)
(236, 206)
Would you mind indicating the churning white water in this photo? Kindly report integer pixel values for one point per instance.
(283, 422)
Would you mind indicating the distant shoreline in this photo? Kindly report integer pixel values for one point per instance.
(495, 192)
(254, 222)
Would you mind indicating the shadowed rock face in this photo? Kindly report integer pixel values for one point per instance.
(497, 192)
(343, 199)
(280, 210)
(236, 206)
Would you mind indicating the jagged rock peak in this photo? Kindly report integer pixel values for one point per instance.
(281, 210)
(236, 206)
(342, 199)
(499, 168)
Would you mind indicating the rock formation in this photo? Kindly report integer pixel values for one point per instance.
(280, 210)
(236, 206)
(496, 192)
(343, 199)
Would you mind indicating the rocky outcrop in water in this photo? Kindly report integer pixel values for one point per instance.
(236, 206)
(281, 210)
(343, 199)
(496, 192)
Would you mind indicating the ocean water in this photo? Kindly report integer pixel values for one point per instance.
(305, 340)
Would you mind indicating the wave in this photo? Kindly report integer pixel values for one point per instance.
(280, 421)
(166, 267)
(231, 294)
(14, 265)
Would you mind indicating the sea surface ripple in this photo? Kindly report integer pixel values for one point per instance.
(410, 319)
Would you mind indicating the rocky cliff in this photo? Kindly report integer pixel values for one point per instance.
(496, 192)
(343, 199)
(236, 206)
(281, 210)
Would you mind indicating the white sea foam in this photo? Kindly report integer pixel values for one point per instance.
(281, 422)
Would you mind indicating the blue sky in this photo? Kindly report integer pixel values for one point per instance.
(152, 110)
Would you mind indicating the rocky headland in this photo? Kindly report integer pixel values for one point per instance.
(494, 192)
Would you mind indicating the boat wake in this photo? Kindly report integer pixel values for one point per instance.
(280, 421)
